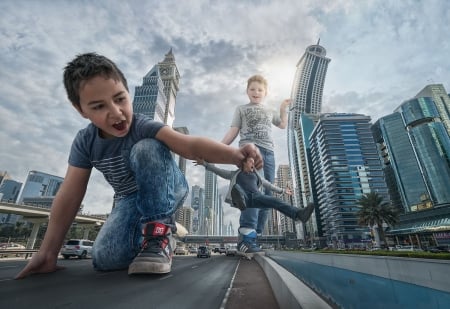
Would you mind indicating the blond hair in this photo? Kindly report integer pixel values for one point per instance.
(257, 78)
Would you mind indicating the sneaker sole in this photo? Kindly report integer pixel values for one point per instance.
(145, 267)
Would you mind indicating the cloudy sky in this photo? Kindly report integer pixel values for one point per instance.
(382, 53)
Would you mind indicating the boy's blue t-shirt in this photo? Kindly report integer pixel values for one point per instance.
(111, 156)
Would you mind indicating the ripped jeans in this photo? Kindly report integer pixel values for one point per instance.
(162, 188)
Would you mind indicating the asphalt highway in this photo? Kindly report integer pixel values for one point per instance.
(216, 282)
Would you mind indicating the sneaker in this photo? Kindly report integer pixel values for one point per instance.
(157, 251)
(305, 213)
(247, 243)
(238, 198)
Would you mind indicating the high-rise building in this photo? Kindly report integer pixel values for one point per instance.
(281, 223)
(306, 95)
(198, 205)
(40, 185)
(9, 190)
(346, 165)
(415, 148)
(442, 100)
(211, 203)
(157, 95)
(183, 215)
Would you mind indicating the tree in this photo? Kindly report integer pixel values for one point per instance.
(373, 212)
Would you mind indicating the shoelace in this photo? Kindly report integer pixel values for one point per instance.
(154, 244)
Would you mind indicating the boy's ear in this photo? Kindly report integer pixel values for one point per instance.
(79, 110)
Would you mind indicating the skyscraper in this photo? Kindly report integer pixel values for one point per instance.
(39, 184)
(346, 165)
(306, 95)
(157, 95)
(198, 205)
(441, 99)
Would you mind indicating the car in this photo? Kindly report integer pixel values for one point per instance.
(11, 246)
(216, 250)
(81, 248)
(407, 248)
(193, 250)
(231, 251)
(203, 251)
(438, 249)
(222, 250)
(180, 251)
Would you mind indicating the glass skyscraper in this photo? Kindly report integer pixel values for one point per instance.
(345, 165)
(156, 97)
(39, 184)
(306, 95)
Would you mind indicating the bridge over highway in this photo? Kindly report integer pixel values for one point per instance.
(39, 215)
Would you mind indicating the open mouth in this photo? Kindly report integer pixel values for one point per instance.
(119, 125)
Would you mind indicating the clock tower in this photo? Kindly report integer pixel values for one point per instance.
(170, 77)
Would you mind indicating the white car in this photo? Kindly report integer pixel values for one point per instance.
(231, 251)
(81, 248)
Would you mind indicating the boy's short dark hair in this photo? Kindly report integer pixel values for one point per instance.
(85, 67)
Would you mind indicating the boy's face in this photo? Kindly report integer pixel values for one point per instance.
(106, 103)
(256, 92)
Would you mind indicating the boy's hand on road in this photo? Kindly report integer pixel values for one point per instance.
(40, 263)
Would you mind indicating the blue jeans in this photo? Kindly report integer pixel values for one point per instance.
(266, 202)
(256, 218)
(162, 188)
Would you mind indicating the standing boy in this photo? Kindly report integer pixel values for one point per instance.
(133, 153)
(253, 121)
(244, 193)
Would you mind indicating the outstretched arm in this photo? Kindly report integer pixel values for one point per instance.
(230, 136)
(283, 113)
(195, 147)
(226, 174)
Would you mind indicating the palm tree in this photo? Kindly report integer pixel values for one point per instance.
(373, 212)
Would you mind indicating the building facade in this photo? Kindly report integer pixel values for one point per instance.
(306, 96)
(156, 97)
(38, 185)
(346, 165)
(415, 147)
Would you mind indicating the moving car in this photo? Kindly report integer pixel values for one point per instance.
(231, 251)
(81, 248)
(203, 251)
(11, 246)
(180, 251)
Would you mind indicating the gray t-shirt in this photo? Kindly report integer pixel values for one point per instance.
(255, 124)
(110, 156)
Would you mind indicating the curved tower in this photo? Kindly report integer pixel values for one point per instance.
(306, 105)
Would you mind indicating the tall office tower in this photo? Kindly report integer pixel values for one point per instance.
(442, 100)
(4, 175)
(211, 198)
(229, 231)
(346, 165)
(171, 80)
(306, 96)
(149, 99)
(218, 216)
(157, 95)
(183, 215)
(282, 224)
(415, 146)
(39, 185)
(9, 190)
(197, 204)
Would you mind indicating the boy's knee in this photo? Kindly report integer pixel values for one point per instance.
(149, 149)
